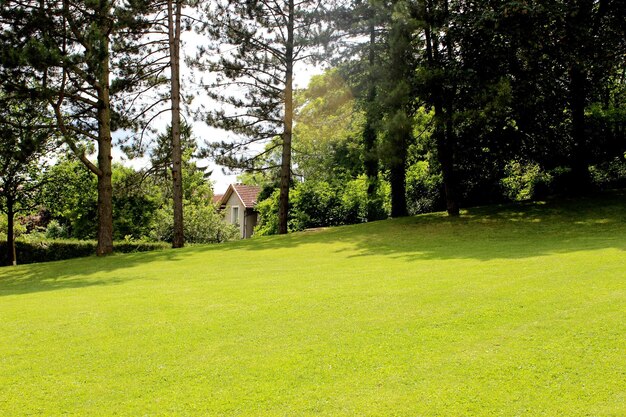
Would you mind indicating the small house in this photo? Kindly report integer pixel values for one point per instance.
(238, 204)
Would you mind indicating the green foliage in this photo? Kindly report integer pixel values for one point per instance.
(522, 178)
(314, 204)
(268, 215)
(135, 202)
(611, 174)
(56, 230)
(322, 204)
(326, 137)
(70, 197)
(18, 228)
(203, 224)
(423, 189)
(43, 250)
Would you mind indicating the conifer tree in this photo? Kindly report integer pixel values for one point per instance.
(259, 44)
(64, 48)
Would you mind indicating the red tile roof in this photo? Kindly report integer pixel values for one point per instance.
(248, 194)
(217, 198)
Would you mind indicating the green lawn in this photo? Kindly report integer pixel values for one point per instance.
(508, 311)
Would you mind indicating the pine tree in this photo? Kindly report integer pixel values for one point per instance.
(259, 44)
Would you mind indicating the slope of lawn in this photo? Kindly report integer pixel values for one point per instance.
(507, 311)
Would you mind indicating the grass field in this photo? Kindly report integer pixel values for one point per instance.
(507, 311)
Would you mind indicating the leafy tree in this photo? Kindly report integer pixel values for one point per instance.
(363, 27)
(63, 48)
(70, 197)
(563, 61)
(135, 203)
(327, 133)
(24, 143)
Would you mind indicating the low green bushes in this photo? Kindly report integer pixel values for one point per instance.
(29, 251)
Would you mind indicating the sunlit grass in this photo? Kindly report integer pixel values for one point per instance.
(516, 310)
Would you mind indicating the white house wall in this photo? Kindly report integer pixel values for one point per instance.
(234, 201)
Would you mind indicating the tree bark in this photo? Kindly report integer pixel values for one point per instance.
(285, 170)
(369, 132)
(446, 159)
(11, 256)
(580, 177)
(105, 187)
(398, 188)
(174, 29)
(443, 125)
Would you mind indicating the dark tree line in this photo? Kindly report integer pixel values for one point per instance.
(504, 80)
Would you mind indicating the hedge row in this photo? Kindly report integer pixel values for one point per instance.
(56, 250)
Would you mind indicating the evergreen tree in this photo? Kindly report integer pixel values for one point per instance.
(360, 43)
(60, 51)
(258, 43)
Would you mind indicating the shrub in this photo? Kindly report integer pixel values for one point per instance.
(33, 251)
(268, 215)
(354, 201)
(524, 181)
(611, 174)
(56, 230)
(315, 204)
(423, 189)
(320, 204)
(202, 224)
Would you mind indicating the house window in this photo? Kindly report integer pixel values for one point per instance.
(235, 216)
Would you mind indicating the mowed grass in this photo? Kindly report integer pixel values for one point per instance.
(507, 311)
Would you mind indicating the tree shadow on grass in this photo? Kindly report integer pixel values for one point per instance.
(79, 272)
(510, 231)
(484, 233)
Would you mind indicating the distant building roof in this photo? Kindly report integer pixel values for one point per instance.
(217, 198)
(248, 194)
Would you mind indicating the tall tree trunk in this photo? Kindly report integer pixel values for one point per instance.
(11, 257)
(443, 127)
(174, 17)
(105, 187)
(369, 132)
(285, 170)
(451, 183)
(397, 180)
(446, 159)
(580, 177)
(579, 15)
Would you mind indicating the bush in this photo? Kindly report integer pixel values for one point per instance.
(56, 230)
(611, 174)
(202, 224)
(423, 189)
(32, 251)
(268, 215)
(525, 181)
(321, 204)
(354, 202)
(314, 204)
